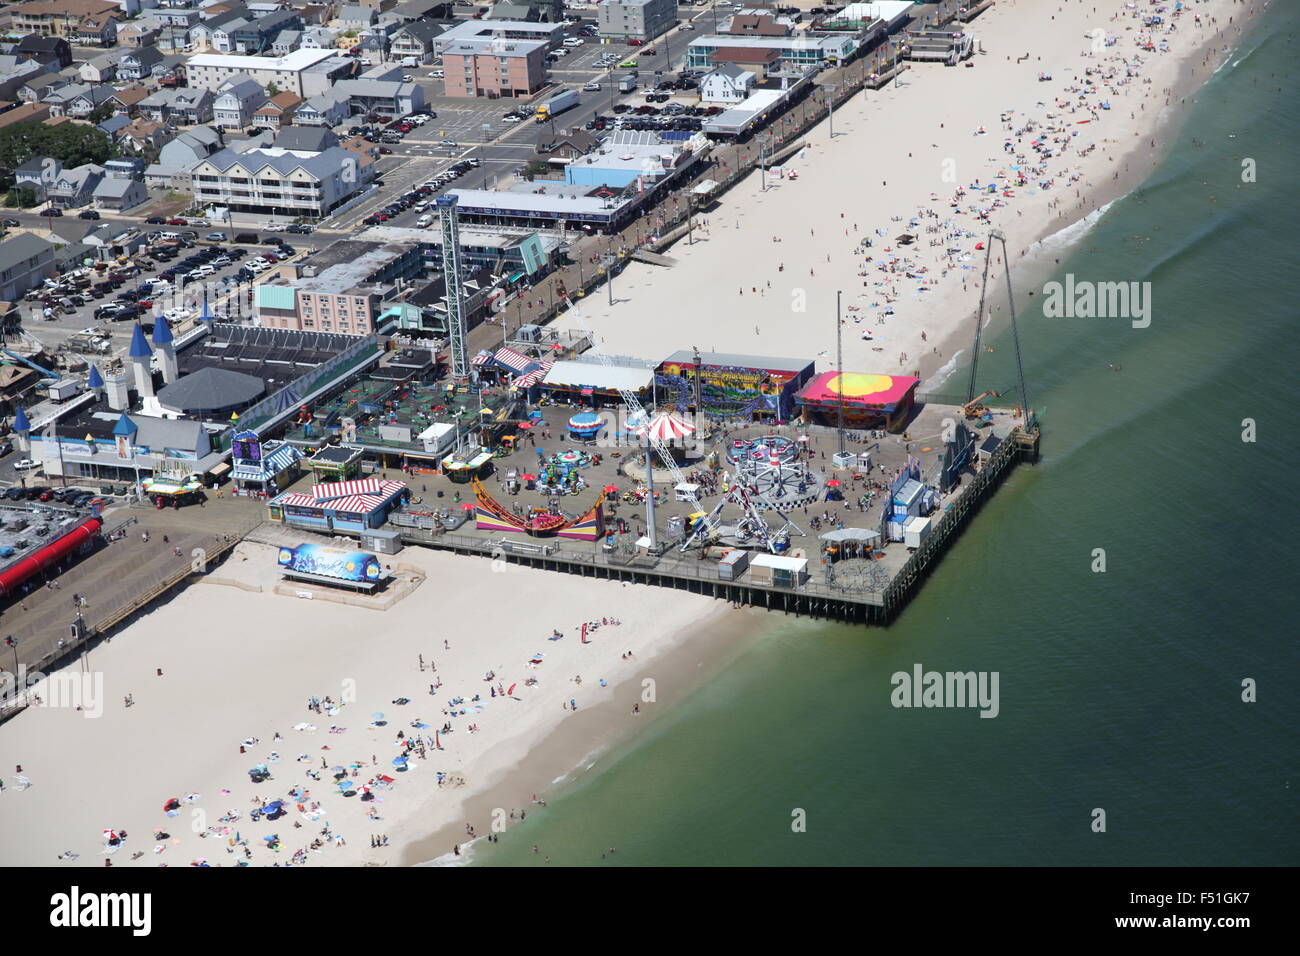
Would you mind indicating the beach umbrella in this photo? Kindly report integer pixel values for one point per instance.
(377, 716)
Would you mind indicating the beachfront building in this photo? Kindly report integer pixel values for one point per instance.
(355, 505)
(728, 83)
(635, 19)
(338, 289)
(263, 469)
(279, 182)
(493, 67)
(515, 255)
(785, 55)
(868, 400)
(733, 386)
(632, 157)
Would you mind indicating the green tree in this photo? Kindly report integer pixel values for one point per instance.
(24, 197)
(534, 169)
(71, 144)
(272, 89)
(101, 112)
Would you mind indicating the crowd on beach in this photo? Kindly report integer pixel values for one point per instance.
(292, 826)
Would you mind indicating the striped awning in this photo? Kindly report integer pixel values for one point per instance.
(482, 358)
(356, 503)
(343, 489)
(512, 359)
(530, 379)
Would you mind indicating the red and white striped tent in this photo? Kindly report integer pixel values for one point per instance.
(356, 497)
(667, 427)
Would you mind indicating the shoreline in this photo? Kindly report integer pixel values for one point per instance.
(1034, 268)
(883, 125)
(679, 670)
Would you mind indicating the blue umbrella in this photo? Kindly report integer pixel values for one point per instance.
(399, 761)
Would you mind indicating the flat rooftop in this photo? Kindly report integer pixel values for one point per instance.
(28, 526)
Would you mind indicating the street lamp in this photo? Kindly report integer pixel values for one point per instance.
(608, 262)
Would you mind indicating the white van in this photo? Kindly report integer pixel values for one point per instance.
(424, 221)
(169, 236)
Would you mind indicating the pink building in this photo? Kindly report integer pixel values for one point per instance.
(493, 66)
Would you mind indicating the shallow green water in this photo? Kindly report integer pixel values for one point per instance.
(1120, 690)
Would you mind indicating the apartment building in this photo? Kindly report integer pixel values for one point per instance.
(59, 18)
(293, 73)
(635, 19)
(279, 182)
(494, 67)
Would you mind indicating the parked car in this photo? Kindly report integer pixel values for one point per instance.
(248, 237)
(215, 237)
(88, 214)
(26, 464)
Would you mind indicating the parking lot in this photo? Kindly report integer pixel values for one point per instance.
(91, 310)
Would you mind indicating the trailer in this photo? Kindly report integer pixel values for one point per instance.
(565, 99)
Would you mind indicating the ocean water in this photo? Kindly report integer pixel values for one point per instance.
(1119, 691)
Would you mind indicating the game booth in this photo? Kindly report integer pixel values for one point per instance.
(869, 401)
(756, 387)
(172, 491)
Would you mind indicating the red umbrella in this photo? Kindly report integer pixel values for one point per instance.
(525, 425)
(530, 477)
(467, 506)
(834, 483)
(610, 489)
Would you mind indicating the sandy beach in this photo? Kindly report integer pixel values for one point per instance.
(918, 157)
(240, 667)
(391, 737)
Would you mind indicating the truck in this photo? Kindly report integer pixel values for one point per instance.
(627, 83)
(565, 99)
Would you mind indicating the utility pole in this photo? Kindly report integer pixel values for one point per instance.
(839, 372)
(830, 108)
(697, 381)
(608, 262)
(762, 158)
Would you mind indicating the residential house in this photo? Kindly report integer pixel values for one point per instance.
(15, 72)
(98, 29)
(355, 17)
(317, 14)
(113, 126)
(139, 33)
(236, 102)
(391, 97)
(415, 39)
(118, 194)
(278, 111)
(73, 188)
(127, 100)
(45, 49)
(173, 39)
(728, 83)
(137, 64)
(485, 66)
(83, 105)
(755, 24)
(143, 135)
(59, 18)
(218, 17)
(26, 261)
(179, 156)
(301, 139)
(532, 11)
(373, 47)
(285, 42)
(327, 109)
(102, 68)
(27, 113)
(183, 106)
(38, 87)
(317, 38)
(257, 34)
(37, 173)
(274, 182)
(562, 149)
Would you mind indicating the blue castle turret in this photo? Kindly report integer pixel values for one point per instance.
(22, 428)
(141, 355)
(164, 342)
